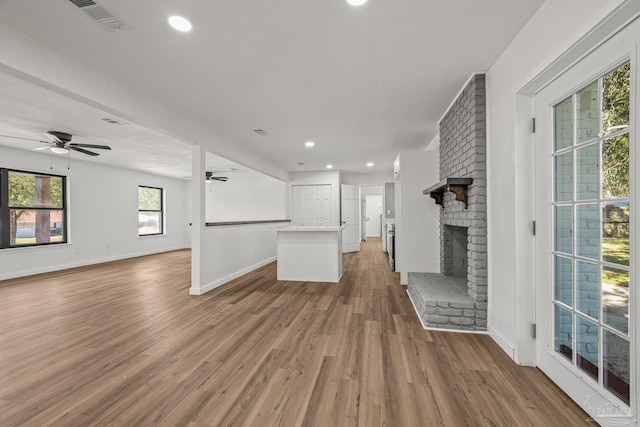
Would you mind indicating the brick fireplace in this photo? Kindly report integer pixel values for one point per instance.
(457, 297)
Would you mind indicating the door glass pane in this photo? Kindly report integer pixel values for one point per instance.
(587, 288)
(564, 332)
(564, 280)
(615, 166)
(615, 232)
(564, 177)
(564, 229)
(616, 365)
(563, 115)
(615, 298)
(587, 346)
(615, 100)
(588, 230)
(587, 180)
(587, 113)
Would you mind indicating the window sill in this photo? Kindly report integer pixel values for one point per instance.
(35, 247)
(149, 236)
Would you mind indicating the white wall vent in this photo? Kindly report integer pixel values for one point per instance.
(99, 14)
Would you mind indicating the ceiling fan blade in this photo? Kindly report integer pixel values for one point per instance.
(53, 138)
(101, 147)
(220, 178)
(80, 150)
(26, 139)
(41, 148)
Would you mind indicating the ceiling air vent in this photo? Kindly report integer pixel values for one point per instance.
(99, 14)
(261, 132)
(112, 121)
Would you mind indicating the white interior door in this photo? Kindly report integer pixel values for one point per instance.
(374, 216)
(349, 212)
(587, 229)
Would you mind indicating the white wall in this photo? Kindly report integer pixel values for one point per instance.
(371, 190)
(102, 215)
(417, 216)
(552, 30)
(244, 199)
(228, 252)
(223, 253)
(373, 178)
(317, 178)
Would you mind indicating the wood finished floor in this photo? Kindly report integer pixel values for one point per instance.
(124, 344)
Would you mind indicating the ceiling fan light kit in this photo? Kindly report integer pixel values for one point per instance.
(59, 150)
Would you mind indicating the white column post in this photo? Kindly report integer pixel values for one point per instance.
(198, 170)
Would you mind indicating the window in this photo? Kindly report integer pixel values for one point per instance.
(32, 209)
(150, 214)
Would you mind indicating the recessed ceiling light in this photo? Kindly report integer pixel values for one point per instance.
(329, 166)
(370, 164)
(309, 144)
(356, 2)
(180, 23)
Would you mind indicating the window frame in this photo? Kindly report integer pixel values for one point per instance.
(5, 210)
(161, 211)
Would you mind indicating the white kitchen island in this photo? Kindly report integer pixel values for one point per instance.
(310, 254)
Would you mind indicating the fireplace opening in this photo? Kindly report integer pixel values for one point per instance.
(459, 257)
(454, 251)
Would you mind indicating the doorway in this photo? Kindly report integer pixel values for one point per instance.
(373, 216)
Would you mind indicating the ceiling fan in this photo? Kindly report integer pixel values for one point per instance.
(60, 143)
(209, 177)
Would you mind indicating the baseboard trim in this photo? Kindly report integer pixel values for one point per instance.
(503, 343)
(429, 328)
(50, 269)
(211, 286)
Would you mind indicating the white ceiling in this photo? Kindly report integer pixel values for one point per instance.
(363, 83)
(26, 110)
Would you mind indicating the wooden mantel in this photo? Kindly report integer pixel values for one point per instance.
(458, 186)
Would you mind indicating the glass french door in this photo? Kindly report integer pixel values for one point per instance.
(586, 210)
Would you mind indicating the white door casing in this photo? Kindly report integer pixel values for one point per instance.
(350, 217)
(575, 343)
